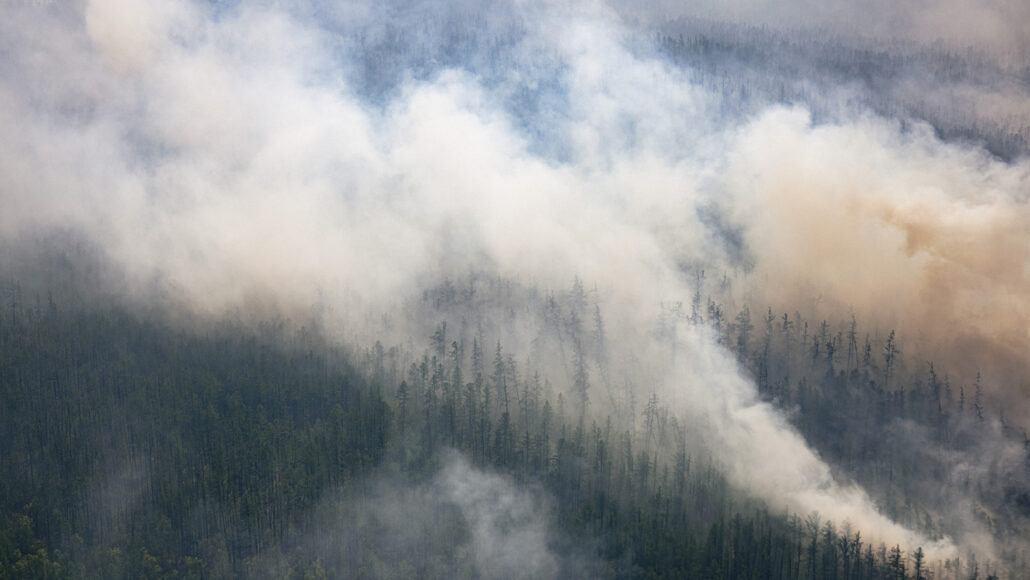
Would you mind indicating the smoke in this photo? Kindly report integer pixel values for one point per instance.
(761, 452)
(905, 232)
(465, 522)
(226, 157)
(957, 24)
(508, 536)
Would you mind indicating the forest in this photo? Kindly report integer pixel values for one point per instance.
(139, 449)
(514, 290)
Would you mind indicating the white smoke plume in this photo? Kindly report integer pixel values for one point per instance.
(221, 155)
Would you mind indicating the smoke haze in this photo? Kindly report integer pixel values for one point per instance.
(913, 235)
(225, 155)
(463, 523)
(957, 24)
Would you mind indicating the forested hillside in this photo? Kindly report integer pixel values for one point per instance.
(138, 449)
(440, 289)
(135, 450)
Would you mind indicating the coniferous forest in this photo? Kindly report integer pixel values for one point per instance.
(140, 449)
(435, 290)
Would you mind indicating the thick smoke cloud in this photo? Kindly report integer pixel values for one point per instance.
(220, 156)
(930, 240)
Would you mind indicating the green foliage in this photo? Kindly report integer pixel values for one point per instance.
(146, 452)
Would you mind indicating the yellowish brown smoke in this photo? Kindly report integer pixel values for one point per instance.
(909, 234)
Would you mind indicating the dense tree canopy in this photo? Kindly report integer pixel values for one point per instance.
(137, 449)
